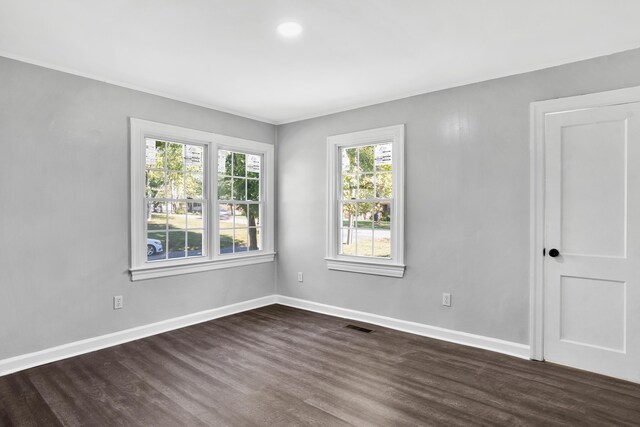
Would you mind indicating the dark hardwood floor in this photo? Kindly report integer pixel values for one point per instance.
(281, 366)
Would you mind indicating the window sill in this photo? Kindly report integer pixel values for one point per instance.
(366, 267)
(155, 271)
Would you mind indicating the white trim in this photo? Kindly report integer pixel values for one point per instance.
(88, 345)
(155, 271)
(140, 268)
(386, 267)
(391, 270)
(478, 341)
(538, 110)
(37, 358)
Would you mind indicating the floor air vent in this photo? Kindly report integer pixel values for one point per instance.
(359, 328)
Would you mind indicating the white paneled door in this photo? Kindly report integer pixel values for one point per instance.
(592, 239)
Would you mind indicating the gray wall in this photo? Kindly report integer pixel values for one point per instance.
(64, 222)
(64, 190)
(467, 200)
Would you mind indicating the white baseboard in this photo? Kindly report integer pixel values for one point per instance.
(88, 345)
(479, 341)
(52, 354)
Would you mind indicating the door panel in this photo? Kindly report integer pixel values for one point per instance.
(592, 312)
(594, 188)
(592, 216)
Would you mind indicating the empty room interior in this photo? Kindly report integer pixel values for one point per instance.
(330, 213)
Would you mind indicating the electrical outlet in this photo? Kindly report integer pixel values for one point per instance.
(300, 276)
(117, 302)
(446, 299)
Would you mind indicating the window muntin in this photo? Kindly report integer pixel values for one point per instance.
(240, 201)
(365, 200)
(175, 200)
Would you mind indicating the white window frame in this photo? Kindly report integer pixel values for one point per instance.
(393, 266)
(140, 268)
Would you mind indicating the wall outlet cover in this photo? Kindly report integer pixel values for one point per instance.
(117, 302)
(446, 299)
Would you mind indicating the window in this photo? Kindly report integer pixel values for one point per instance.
(175, 196)
(366, 202)
(239, 201)
(186, 218)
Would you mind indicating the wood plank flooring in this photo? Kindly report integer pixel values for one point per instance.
(281, 366)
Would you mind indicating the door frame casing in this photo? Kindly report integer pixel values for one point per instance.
(538, 111)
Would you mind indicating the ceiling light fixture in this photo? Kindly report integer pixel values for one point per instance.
(289, 29)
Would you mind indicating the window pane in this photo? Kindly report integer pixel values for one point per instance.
(255, 244)
(349, 186)
(155, 154)
(365, 241)
(175, 157)
(384, 157)
(241, 240)
(348, 241)
(365, 158)
(382, 230)
(176, 244)
(254, 215)
(384, 185)
(363, 219)
(253, 165)
(382, 216)
(240, 215)
(156, 244)
(349, 160)
(177, 215)
(225, 162)
(348, 214)
(193, 185)
(239, 180)
(225, 231)
(382, 243)
(156, 216)
(155, 184)
(239, 189)
(194, 243)
(226, 216)
(226, 241)
(253, 189)
(194, 215)
(224, 188)
(193, 158)
(175, 185)
(239, 164)
(365, 186)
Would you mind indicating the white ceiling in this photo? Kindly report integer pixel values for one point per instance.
(226, 54)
